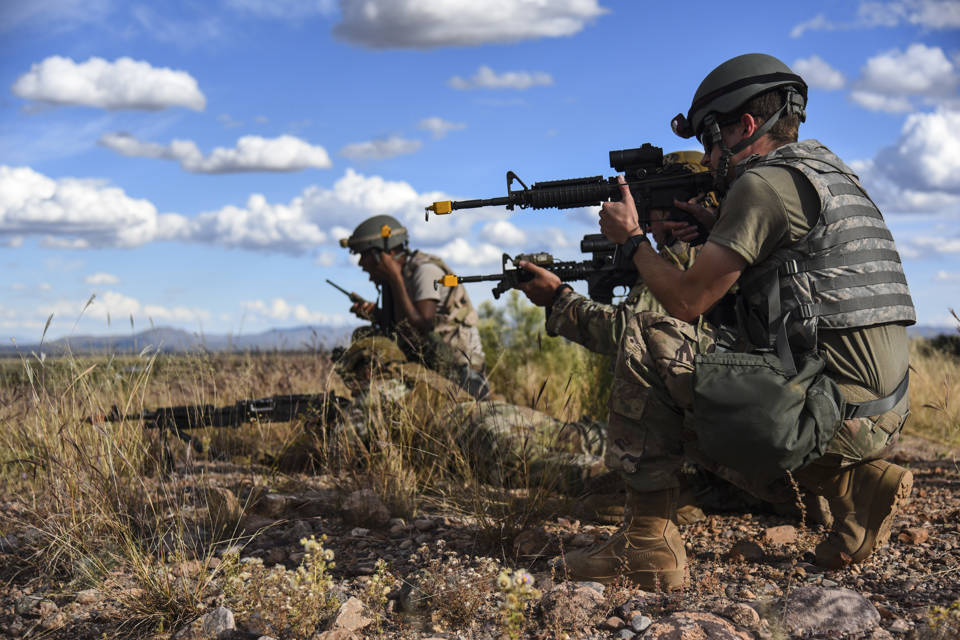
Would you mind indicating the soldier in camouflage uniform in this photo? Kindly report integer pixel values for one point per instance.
(437, 328)
(823, 305)
(492, 441)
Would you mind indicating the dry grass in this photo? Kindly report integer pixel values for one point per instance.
(98, 501)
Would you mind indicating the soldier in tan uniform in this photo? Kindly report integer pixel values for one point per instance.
(435, 327)
(818, 385)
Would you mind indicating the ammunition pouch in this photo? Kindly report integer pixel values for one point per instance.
(751, 416)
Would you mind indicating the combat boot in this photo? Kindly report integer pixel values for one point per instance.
(863, 501)
(647, 550)
(605, 503)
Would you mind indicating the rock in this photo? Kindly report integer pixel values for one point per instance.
(810, 611)
(87, 596)
(34, 606)
(573, 607)
(359, 532)
(336, 634)
(276, 556)
(626, 634)
(745, 551)
(914, 535)
(9, 544)
(208, 626)
(785, 534)
(640, 622)
(900, 626)
(366, 507)
(532, 542)
(690, 624)
(273, 505)
(350, 617)
(424, 524)
(742, 615)
(613, 623)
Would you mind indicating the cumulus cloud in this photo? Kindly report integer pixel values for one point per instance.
(487, 78)
(462, 253)
(112, 304)
(78, 213)
(281, 310)
(502, 233)
(101, 278)
(946, 276)
(928, 14)
(251, 153)
(424, 24)
(438, 127)
(921, 171)
(818, 73)
(122, 84)
(889, 81)
(380, 149)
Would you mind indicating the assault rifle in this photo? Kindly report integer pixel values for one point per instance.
(653, 185)
(280, 408)
(603, 272)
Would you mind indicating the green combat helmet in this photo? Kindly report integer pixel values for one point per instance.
(730, 86)
(379, 232)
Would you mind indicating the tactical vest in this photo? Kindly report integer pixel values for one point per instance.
(844, 273)
(456, 319)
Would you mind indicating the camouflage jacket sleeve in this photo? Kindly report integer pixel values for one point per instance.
(597, 326)
(594, 325)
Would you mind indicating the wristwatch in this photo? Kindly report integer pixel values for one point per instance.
(633, 242)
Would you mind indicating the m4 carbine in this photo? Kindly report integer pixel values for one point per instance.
(653, 184)
(602, 272)
(279, 408)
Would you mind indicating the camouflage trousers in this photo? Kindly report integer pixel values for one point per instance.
(652, 395)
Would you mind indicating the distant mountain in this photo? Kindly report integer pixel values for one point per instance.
(929, 331)
(172, 340)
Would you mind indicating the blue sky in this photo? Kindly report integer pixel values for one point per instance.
(193, 164)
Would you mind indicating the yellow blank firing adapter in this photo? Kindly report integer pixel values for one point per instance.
(385, 231)
(440, 208)
(449, 280)
(344, 242)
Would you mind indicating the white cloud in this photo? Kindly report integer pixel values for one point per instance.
(487, 78)
(280, 309)
(101, 278)
(326, 258)
(283, 9)
(251, 153)
(937, 244)
(878, 102)
(921, 172)
(422, 24)
(818, 73)
(460, 252)
(78, 213)
(380, 149)
(114, 305)
(502, 232)
(123, 84)
(890, 80)
(928, 14)
(184, 31)
(438, 127)
(945, 276)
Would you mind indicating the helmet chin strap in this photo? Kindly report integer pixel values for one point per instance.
(792, 104)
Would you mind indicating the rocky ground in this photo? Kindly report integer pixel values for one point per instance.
(750, 575)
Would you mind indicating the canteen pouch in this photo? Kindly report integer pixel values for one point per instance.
(750, 416)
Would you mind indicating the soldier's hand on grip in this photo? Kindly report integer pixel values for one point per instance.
(540, 289)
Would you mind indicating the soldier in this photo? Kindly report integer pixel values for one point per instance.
(438, 328)
(490, 440)
(820, 385)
